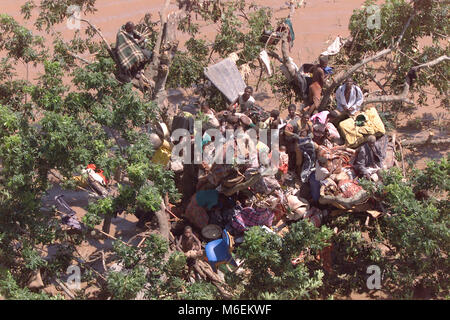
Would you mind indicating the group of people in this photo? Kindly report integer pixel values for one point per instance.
(313, 160)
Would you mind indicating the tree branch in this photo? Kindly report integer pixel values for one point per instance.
(342, 76)
(108, 47)
(408, 82)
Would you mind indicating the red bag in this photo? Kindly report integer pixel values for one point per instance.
(349, 188)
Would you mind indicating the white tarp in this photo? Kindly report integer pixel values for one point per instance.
(227, 78)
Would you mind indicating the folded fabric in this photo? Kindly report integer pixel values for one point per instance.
(349, 188)
(334, 48)
(266, 61)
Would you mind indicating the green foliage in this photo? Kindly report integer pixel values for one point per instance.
(125, 286)
(418, 232)
(148, 198)
(199, 291)
(268, 257)
(11, 291)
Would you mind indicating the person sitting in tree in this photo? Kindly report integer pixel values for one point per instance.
(131, 56)
(349, 98)
(315, 89)
(189, 244)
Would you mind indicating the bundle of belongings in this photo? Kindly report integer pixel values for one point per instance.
(355, 130)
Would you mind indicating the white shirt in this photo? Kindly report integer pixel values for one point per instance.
(355, 101)
(245, 104)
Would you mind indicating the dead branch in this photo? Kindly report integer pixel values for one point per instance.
(430, 140)
(163, 221)
(65, 288)
(412, 74)
(97, 30)
(152, 70)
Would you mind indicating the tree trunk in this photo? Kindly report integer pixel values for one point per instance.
(163, 222)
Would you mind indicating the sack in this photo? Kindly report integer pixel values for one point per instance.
(196, 214)
(356, 135)
(349, 188)
(162, 156)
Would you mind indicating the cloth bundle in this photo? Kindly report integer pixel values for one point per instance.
(250, 217)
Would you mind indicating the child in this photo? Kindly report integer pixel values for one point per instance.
(284, 163)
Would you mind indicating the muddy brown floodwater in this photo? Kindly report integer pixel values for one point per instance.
(316, 25)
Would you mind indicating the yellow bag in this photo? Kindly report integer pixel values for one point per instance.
(355, 136)
(162, 155)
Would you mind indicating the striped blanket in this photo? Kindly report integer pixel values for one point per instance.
(128, 50)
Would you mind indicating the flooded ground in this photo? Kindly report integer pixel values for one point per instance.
(316, 26)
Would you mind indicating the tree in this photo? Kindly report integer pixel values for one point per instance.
(52, 128)
(388, 55)
(78, 113)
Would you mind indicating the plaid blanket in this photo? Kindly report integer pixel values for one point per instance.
(249, 217)
(128, 50)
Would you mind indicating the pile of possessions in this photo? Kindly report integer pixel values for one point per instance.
(234, 173)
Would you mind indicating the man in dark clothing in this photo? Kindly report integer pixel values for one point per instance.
(293, 123)
(369, 159)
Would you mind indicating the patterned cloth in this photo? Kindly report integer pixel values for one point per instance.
(250, 217)
(128, 50)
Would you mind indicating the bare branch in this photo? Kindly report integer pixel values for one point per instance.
(403, 97)
(341, 77)
(77, 57)
(397, 43)
(108, 47)
(431, 63)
